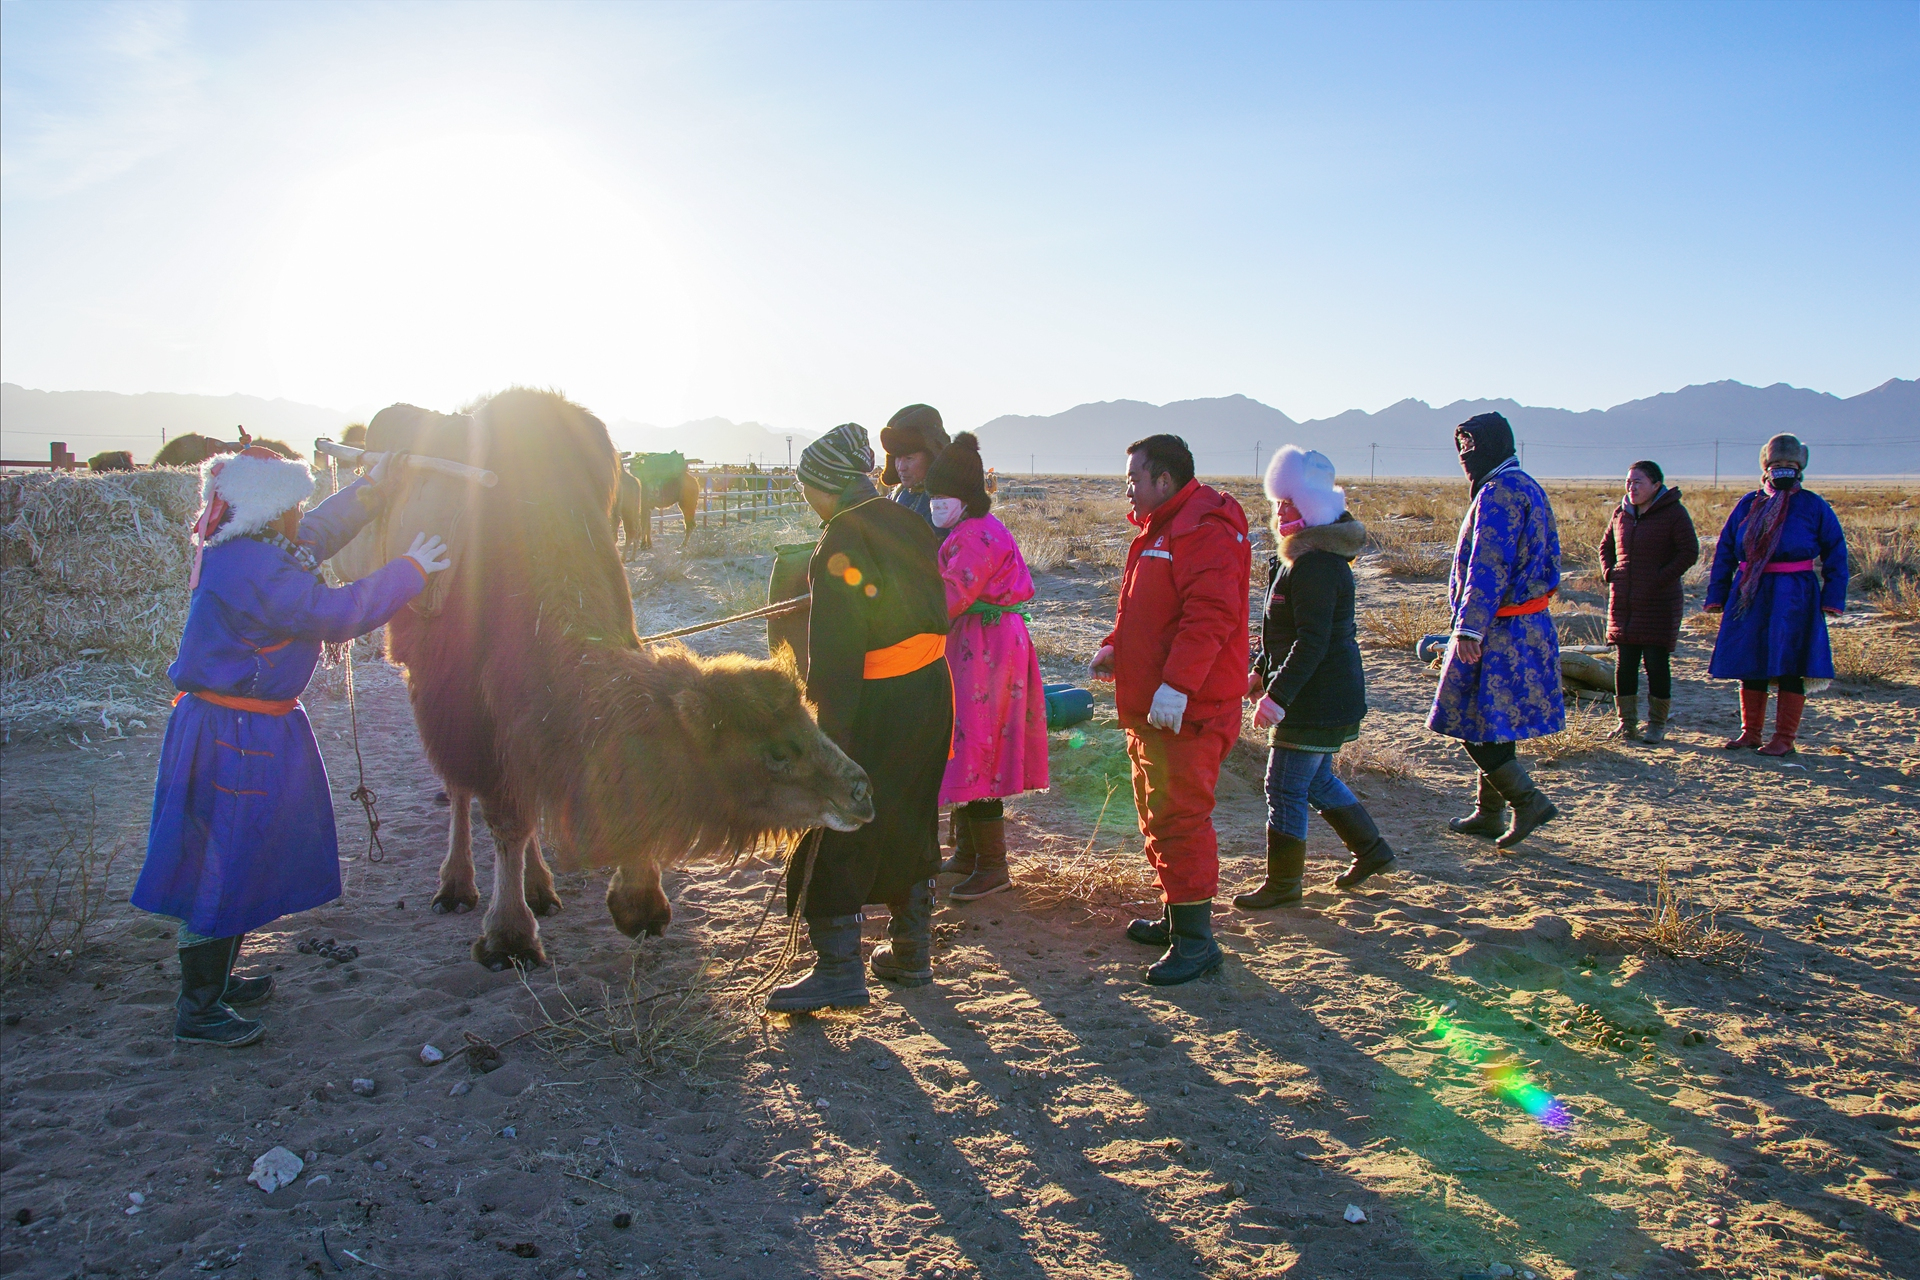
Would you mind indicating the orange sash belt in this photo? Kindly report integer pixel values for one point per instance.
(263, 706)
(1536, 605)
(906, 657)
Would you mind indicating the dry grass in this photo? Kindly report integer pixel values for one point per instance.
(1059, 873)
(1409, 548)
(1401, 624)
(1056, 532)
(1374, 754)
(1671, 925)
(52, 897)
(1585, 734)
(1870, 655)
(651, 1028)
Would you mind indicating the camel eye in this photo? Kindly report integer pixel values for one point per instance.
(780, 755)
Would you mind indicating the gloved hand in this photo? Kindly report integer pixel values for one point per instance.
(1169, 706)
(1268, 714)
(429, 552)
(1101, 668)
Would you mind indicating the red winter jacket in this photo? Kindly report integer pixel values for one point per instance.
(1183, 606)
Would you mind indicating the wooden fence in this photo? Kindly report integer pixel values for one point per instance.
(736, 497)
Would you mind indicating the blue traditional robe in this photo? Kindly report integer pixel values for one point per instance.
(1784, 631)
(1508, 553)
(242, 830)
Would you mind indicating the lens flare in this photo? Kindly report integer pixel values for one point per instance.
(1501, 1071)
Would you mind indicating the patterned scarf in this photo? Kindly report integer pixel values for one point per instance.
(302, 553)
(1758, 538)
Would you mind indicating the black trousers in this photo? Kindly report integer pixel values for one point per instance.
(984, 810)
(1626, 674)
(1490, 755)
(1788, 684)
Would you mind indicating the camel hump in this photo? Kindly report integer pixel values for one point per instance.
(657, 470)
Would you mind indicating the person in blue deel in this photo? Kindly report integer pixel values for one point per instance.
(242, 829)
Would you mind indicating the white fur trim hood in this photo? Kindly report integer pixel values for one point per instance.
(1305, 477)
(256, 490)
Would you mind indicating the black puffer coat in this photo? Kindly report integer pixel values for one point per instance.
(1309, 658)
(1645, 556)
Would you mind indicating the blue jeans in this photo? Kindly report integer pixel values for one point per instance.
(1296, 779)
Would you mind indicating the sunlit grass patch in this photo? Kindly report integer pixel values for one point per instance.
(1401, 624)
(1670, 924)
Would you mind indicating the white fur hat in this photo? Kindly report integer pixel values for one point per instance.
(255, 486)
(1305, 478)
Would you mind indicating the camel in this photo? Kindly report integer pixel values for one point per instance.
(192, 449)
(533, 693)
(637, 505)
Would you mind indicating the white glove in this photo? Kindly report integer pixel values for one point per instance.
(1101, 668)
(1169, 705)
(429, 552)
(1268, 714)
(378, 472)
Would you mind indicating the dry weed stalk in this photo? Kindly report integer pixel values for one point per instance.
(1089, 876)
(1376, 754)
(676, 1026)
(52, 899)
(1410, 548)
(1673, 926)
(1586, 733)
(1400, 625)
(1870, 655)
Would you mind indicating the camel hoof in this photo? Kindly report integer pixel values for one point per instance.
(640, 915)
(449, 902)
(526, 954)
(543, 900)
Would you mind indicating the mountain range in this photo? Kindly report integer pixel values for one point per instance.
(1874, 433)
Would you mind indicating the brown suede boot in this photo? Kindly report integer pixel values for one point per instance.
(961, 863)
(1658, 710)
(1628, 705)
(1753, 718)
(989, 843)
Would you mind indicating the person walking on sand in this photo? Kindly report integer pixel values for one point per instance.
(912, 439)
(877, 676)
(999, 699)
(1307, 675)
(1775, 628)
(1177, 656)
(242, 827)
(1501, 680)
(1648, 548)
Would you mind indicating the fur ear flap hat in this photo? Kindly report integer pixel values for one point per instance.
(1304, 477)
(917, 428)
(243, 493)
(958, 473)
(1785, 451)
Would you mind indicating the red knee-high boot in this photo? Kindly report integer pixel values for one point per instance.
(1753, 718)
(1786, 723)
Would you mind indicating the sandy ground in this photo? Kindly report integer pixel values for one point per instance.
(1458, 1054)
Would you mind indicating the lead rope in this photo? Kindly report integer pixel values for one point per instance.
(376, 851)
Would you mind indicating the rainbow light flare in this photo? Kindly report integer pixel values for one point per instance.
(1502, 1073)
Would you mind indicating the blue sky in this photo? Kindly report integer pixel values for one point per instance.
(804, 214)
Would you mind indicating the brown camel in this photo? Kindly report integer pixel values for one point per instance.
(636, 507)
(532, 691)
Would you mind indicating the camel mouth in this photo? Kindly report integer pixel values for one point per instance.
(838, 819)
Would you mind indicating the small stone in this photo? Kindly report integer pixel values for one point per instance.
(461, 1090)
(623, 1220)
(379, 1166)
(320, 1180)
(822, 1103)
(136, 1197)
(132, 1209)
(1500, 1271)
(364, 1087)
(589, 1142)
(807, 1188)
(431, 1055)
(275, 1169)
(1716, 1222)
(1355, 1213)
(507, 1132)
(426, 1142)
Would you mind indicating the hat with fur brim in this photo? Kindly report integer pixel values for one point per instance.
(243, 493)
(918, 428)
(1304, 477)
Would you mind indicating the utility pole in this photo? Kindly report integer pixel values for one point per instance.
(1523, 463)
(1373, 457)
(1256, 459)
(1030, 470)
(1716, 465)
(789, 453)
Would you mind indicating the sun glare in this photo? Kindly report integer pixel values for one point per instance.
(441, 269)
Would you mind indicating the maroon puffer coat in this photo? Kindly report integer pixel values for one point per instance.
(1645, 556)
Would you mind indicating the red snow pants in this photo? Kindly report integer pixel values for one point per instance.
(1174, 775)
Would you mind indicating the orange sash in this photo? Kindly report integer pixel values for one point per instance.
(906, 657)
(262, 706)
(1536, 605)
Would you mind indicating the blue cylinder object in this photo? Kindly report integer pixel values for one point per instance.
(1068, 705)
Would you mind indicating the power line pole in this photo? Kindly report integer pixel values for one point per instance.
(789, 452)
(1256, 459)
(1523, 458)
(1373, 456)
(1716, 464)
(1030, 470)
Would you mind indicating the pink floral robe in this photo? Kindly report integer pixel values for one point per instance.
(999, 701)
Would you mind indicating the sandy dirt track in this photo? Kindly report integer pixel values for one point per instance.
(1038, 1111)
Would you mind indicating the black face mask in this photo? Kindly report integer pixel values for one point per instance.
(1484, 443)
(1781, 479)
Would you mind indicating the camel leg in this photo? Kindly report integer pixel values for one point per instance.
(457, 889)
(637, 903)
(511, 934)
(689, 499)
(540, 893)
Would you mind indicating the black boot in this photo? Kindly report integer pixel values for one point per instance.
(245, 990)
(1151, 933)
(1192, 952)
(1371, 852)
(200, 1017)
(961, 863)
(1286, 869)
(906, 957)
(1489, 816)
(838, 981)
(1530, 808)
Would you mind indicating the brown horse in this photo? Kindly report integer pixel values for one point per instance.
(533, 694)
(636, 507)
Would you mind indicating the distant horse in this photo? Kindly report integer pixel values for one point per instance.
(637, 504)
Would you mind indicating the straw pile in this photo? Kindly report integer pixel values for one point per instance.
(93, 567)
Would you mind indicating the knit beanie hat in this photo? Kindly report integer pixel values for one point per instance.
(1785, 451)
(243, 493)
(915, 429)
(1304, 477)
(837, 458)
(958, 473)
